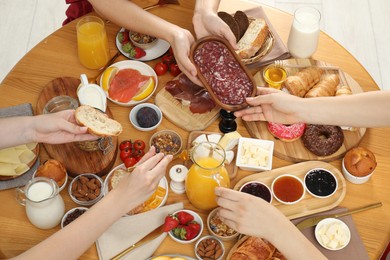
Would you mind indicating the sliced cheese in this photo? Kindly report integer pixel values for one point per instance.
(229, 140)
(200, 139)
(214, 138)
(26, 156)
(229, 156)
(10, 155)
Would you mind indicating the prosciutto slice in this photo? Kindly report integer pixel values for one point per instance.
(190, 94)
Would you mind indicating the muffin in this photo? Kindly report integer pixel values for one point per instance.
(360, 162)
(53, 169)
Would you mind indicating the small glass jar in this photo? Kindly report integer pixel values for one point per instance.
(60, 103)
(274, 75)
(103, 144)
(44, 205)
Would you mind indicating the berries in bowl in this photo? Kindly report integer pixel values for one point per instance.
(184, 226)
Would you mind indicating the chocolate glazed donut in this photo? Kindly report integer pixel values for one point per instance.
(323, 140)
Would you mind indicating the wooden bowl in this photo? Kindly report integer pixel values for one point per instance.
(230, 107)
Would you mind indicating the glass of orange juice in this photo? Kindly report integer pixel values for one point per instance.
(92, 42)
(207, 173)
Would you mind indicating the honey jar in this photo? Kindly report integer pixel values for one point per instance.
(274, 75)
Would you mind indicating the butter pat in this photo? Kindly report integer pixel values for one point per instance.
(229, 140)
(332, 234)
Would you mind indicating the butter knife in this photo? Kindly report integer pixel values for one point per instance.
(314, 220)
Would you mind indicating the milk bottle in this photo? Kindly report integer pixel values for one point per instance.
(305, 29)
(44, 205)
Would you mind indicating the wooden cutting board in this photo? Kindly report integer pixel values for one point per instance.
(296, 151)
(76, 160)
(181, 115)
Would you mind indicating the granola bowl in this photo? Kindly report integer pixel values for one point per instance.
(167, 142)
(219, 229)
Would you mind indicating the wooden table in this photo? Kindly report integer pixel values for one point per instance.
(56, 56)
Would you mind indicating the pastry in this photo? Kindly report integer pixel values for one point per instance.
(255, 248)
(360, 162)
(323, 140)
(343, 90)
(300, 83)
(325, 88)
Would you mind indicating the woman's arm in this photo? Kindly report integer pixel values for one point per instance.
(53, 128)
(254, 216)
(73, 240)
(368, 109)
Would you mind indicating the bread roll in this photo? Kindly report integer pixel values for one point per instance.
(360, 161)
(97, 122)
(253, 39)
(300, 83)
(52, 169)
(343, 90)
(325, 88)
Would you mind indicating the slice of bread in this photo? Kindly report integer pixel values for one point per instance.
(253, 38)
(116, 177)
(242, 21)
(97, 122)
(229, 20)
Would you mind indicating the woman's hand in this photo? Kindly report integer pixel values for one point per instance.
(57, 128)
(138, 186)
(274, 106)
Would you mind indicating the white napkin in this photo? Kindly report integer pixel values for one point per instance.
(130, 229)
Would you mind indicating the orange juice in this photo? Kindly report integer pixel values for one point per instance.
(92, 42)
(201, 182)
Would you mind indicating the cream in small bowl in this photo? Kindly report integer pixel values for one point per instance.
(332, 234)
(288, 189)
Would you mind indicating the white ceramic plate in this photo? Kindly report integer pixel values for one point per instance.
(143, 68)
(153, 53)
(163, 183)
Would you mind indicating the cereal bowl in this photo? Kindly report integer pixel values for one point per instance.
(166, 141)
(176, 231)
(288, 189)
(86, 189)
(202, 247)
(145, 117)
(254, 154)
(332, 234)
(258, 189)
(320, 183)
(219, 229)
(71, 215)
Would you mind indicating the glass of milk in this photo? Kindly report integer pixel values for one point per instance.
(44, 205)
(305, 30)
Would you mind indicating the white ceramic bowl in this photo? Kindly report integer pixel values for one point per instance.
(209, 237)
(69, 212)
(321, 179)
(89, 202)
(144, 46)
(352, 178)
(143, 68)
(243, 143)
(197, 218)
(223, 237)
(326, 227)
(262, 190)
(288, 202)
(163, 183)
(174, 136)
(133, 116)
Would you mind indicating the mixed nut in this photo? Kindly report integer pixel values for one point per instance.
(209, 249)
(86, 188)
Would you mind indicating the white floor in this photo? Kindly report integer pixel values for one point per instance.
(359, 25)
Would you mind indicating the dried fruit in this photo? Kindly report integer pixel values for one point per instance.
(147, 117)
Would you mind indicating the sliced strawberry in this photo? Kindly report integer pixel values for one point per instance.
(184, 217)
(170, 223)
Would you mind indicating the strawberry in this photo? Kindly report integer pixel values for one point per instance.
(137, 53)
(184, 233)
(123, 37)
(194, 226)
(170, 223)
(189, 233)
(184, 217)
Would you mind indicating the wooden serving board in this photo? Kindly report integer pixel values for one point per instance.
(309, 204)
(181, 115)
(231, 168)
(296, 151)
(75, 160)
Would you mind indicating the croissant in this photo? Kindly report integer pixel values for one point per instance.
(300, 83)
(255, 248)
(343, 90)
(325, 88)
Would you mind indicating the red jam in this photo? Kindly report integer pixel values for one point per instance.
(257, 189)
(288, 189)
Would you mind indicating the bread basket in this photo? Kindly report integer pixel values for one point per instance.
(230, 107)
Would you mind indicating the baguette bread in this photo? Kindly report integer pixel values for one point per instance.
(253, 39)
(325, 88)
(300, 83)
(97, 122)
